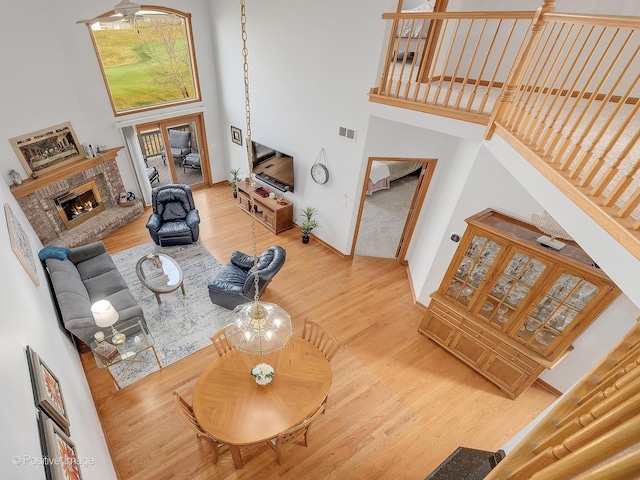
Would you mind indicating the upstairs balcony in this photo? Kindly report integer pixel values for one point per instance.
(561, 89)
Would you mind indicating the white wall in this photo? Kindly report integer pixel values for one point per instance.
(28, 318)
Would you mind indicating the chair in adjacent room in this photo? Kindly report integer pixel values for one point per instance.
(152, 173)
(175, 219)
(221, 342)
(293, 433)
(325, 341)
(180, 144)
(186, 412)
(235, 283)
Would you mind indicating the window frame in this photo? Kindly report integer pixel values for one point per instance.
(194, 65)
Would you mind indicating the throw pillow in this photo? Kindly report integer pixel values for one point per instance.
(51, 251)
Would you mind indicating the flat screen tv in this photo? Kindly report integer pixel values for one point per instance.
(272, 167)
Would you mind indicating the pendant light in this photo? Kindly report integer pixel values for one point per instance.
(255, 327)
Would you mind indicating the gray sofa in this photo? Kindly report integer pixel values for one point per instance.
(87, 275)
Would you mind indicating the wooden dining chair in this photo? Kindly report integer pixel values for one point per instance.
(293, 433)
(326, 342)
(186, 412)
(221, 342)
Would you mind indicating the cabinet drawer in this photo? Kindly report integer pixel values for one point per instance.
(480, 334)
(505, 374)
(437, 329)
(267, 217)
(468, 349)
(516, 357)
(445, 313)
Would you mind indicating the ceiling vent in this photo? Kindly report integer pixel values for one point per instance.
(347, 133)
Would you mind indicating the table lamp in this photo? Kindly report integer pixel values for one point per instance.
(106, 316)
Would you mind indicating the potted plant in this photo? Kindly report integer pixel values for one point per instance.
(308, 223)
(235, 178)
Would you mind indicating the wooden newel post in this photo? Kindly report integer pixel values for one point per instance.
(514, 78)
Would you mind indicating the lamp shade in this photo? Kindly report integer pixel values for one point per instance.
(259, 328)
(104, 314)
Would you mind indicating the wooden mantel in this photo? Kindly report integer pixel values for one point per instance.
(45, 179)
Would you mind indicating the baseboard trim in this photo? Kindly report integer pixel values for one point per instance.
(549, 388)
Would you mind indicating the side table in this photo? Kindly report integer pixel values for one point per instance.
(138, 340)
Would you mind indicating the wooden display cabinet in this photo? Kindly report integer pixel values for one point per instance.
(510, 307)
(270, 213)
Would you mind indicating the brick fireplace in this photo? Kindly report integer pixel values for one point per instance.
(76, 203)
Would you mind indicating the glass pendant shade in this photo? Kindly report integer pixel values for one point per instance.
(258, 327)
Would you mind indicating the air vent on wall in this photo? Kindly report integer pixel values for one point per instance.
(347, 133)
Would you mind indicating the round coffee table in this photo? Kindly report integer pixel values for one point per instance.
(160, 273)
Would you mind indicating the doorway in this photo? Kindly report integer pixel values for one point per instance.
(174, 151)
(391, 200)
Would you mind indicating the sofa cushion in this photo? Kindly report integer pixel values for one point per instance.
(95, 267)
(100, 287)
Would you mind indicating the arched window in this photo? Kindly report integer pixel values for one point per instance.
(147, 61)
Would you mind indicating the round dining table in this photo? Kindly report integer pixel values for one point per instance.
(235, 410)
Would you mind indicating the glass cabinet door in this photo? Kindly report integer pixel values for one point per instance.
(473, 269)
(514, 283)
(555, 311)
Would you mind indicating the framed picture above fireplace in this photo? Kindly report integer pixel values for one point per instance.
(47, 148)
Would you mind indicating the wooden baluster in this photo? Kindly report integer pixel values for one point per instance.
(599, 162)
(528, 86)
(471, 63)
(587, 156)
(538, 87)
(548, 91)
(623, 467)
(612, 171)
(593, 115)
(610, 444)
(443, 27)
(454, 75)
(542, 144)
(563, 139)
(626, 403)
(502, 107)
(446, 62)
(485, 97)
(559, 92)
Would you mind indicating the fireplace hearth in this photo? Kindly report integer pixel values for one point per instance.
(79, 204)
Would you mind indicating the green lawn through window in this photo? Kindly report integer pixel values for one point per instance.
(147, 65)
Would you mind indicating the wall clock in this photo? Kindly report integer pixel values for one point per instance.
(319, 171)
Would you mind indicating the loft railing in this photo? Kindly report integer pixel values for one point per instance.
(562, 89)
(451, 64)
(573, 102)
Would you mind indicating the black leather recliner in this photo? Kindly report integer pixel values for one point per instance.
(235, 283)
(175, 219)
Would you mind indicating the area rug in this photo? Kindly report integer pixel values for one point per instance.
(181, 325)
(383, 218)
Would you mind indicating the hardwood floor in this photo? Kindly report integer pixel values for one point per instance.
(398, 405)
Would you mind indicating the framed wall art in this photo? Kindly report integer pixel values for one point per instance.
(62, 462)
(47, 148)
(47, 391)
(236, 135)
(20, 244)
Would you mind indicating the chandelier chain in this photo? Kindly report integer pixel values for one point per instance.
(252, 206)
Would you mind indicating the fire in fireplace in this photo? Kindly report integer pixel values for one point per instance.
(79, 204)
